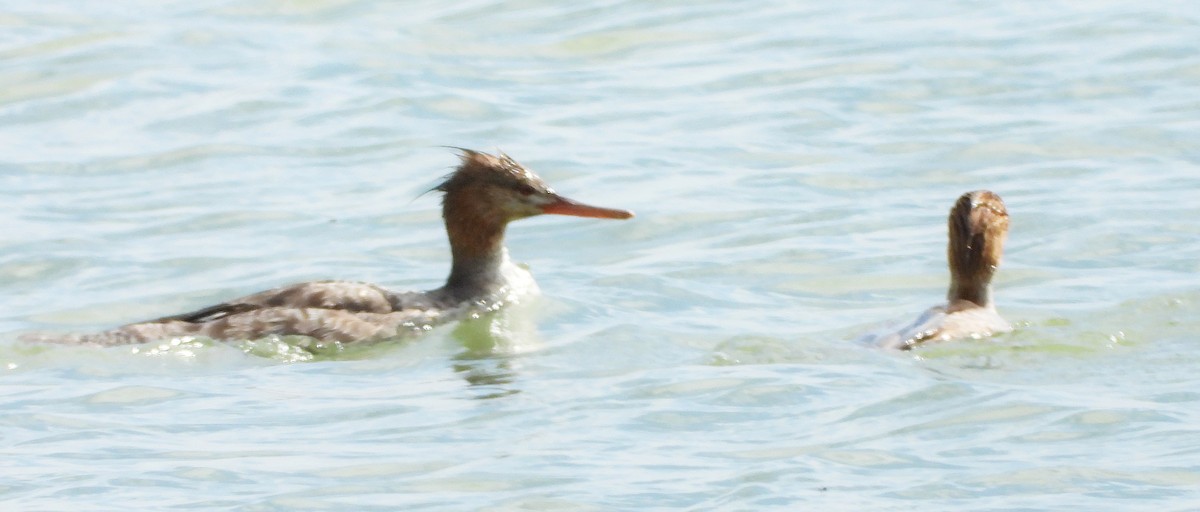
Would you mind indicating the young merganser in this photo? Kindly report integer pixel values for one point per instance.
(978, 226)
(481, 197)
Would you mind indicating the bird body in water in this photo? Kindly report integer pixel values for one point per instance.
(978, 226)
(481, 197)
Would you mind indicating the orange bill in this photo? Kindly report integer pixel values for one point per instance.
(564, 206)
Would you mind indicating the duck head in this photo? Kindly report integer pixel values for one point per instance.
(978, 227)
(482, 196)
(503, 190)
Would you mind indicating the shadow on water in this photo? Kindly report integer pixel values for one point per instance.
(492, 346)
(1039, 337)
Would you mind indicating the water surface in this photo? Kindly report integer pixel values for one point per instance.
(791, 166)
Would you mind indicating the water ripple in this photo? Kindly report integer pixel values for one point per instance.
(791, 166)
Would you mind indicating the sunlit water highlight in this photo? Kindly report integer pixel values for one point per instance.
(791, 167)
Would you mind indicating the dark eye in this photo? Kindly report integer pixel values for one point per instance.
(526, 190)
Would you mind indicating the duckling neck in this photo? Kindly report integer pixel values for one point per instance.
(971, 265)
(974, 290)
(478, 255)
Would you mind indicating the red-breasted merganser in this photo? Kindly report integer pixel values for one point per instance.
(482, 196)
(978, 226)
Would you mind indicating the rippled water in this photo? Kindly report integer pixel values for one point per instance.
(791, 166)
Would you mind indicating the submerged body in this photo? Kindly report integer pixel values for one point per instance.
(978, 226)
(482, 196)
(337, 311)
(942, 323)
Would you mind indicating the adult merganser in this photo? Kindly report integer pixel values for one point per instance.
(482, 196)
(978, 226)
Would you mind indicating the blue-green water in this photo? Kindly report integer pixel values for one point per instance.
(791, 166)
